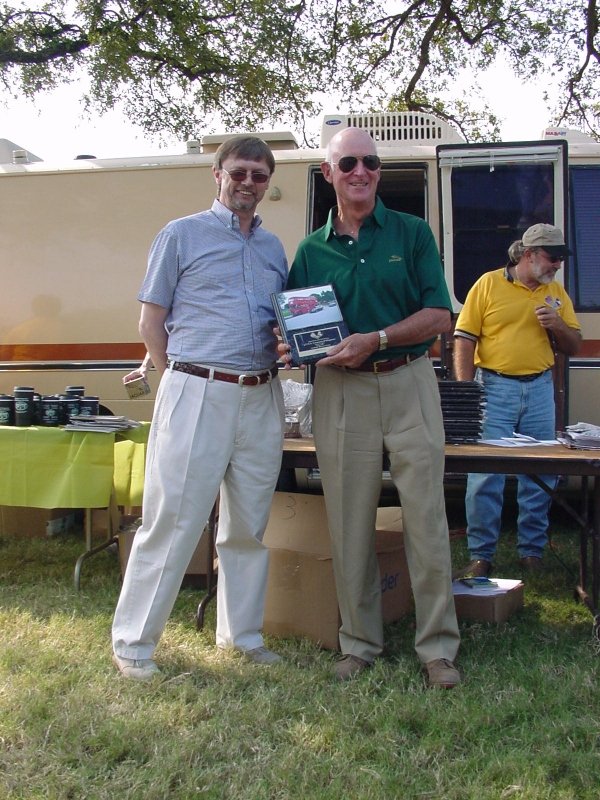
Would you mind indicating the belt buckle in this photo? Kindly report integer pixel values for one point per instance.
(376, 369)
(243, 378)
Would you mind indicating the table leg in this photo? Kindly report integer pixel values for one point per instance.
(112, 538)
(587, 530)
(595, 531)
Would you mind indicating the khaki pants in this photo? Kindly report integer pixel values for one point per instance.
(206, 436)
(356, 416)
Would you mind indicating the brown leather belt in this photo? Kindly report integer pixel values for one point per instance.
(389, 365)
(228, 377)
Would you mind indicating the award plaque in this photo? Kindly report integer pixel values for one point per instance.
(310, 321)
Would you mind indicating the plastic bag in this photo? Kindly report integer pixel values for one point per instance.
(298, 417)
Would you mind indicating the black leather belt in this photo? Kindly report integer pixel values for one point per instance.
(228, 377)
(524, 378)
(387, 366)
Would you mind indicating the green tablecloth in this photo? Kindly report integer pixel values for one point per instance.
(54, 468)
(129, 468)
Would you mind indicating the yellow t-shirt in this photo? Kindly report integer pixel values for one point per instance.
(498, 315)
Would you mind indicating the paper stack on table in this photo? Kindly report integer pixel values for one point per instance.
(519, 440)
(582, 436)
(103, 423)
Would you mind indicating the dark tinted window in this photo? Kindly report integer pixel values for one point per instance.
(585, 237)
(491, 209)
(400, 188)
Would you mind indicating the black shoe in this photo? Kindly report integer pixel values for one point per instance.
(477, 568)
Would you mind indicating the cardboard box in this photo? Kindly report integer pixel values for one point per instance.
(196, 572)
(30, 523)
(138, 387)
(301, 597)
(485, 605)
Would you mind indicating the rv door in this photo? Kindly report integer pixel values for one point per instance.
(489, 195)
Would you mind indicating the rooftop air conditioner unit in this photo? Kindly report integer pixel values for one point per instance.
(392, 128)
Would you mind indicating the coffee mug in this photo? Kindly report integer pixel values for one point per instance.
(7, 409)
(89, 406)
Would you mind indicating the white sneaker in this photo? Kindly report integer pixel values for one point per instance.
(260, 655)
(139, 669)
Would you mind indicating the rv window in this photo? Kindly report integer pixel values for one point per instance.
(585, 236)
(491, 208)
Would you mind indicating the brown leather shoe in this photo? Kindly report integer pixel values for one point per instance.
(531, 563)
(442, 674)
(349, 667)
(477, 568)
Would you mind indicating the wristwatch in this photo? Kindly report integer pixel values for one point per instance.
(383, 340)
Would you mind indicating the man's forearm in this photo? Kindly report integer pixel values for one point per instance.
(153, 332)
(419, 327)
(464, 359)
(568, 340)
(158, 356)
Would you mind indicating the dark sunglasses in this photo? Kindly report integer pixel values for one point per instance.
(553, 259)
(348, 163)
(239, 175)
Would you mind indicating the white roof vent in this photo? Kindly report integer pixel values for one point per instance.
(7, 150)
(20, 157)
(193, 147)
(392, 128)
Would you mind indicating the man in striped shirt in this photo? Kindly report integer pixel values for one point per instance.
(218, 421)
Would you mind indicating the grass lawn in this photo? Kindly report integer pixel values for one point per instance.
(525, 724)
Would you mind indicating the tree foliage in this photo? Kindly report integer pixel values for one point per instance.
(176, 66)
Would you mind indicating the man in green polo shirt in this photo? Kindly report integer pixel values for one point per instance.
(376, 392)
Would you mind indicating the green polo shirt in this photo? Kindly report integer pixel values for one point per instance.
(391, 272)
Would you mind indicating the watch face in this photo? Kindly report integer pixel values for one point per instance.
(383, 341)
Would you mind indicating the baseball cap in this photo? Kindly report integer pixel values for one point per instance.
(548, 237)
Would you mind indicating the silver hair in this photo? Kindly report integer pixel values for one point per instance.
(516, 251)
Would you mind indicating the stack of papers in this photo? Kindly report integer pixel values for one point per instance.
(583, 436)
(102, 423)
(519, 440)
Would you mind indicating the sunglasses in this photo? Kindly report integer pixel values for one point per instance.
(239, 175)
(553, 259)
(348, 163)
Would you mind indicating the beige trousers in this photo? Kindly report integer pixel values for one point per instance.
(206, 436)
(356, 417)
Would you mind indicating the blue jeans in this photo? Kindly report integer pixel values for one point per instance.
(521, 407)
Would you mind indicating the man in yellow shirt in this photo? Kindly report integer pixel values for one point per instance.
(513, 320)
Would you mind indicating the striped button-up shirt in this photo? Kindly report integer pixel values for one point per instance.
(217, 284)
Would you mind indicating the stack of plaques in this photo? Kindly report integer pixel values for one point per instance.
(462, 410)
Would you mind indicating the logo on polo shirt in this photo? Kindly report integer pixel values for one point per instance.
(394, 258)
(553, 302)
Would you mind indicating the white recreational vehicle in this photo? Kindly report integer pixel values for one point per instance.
(74, 238)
